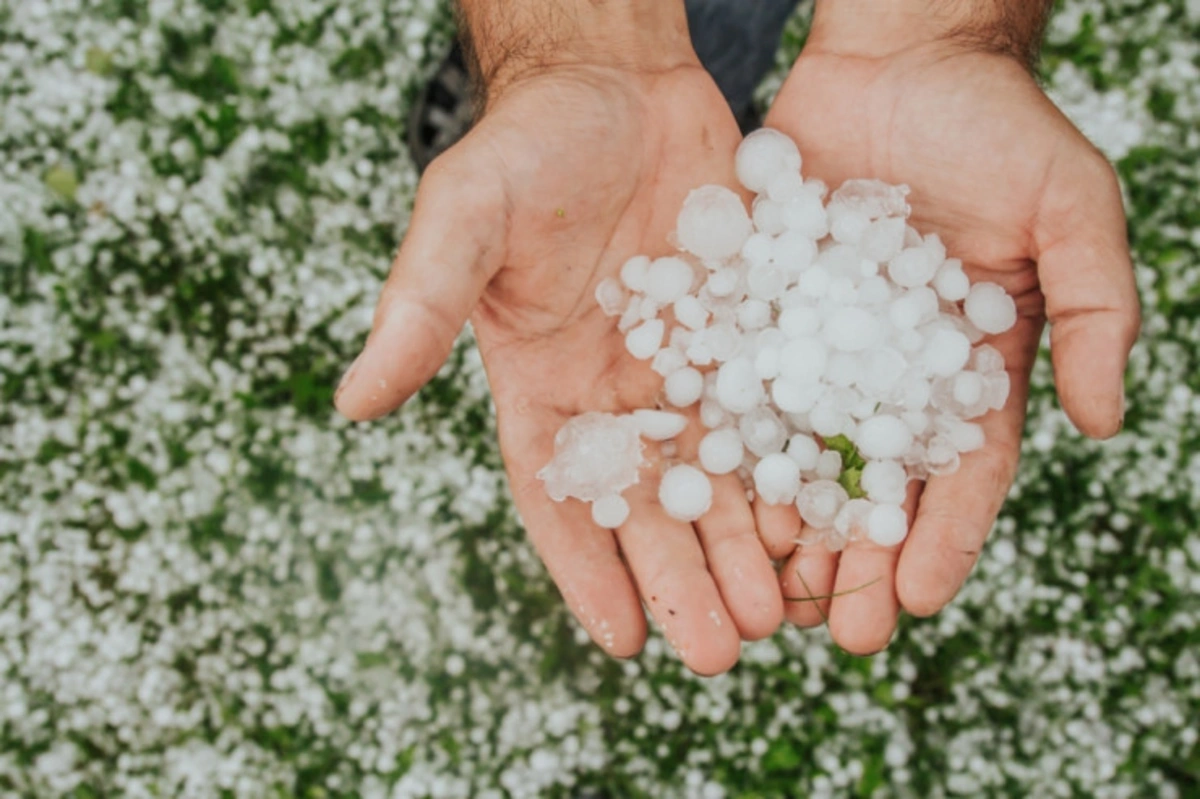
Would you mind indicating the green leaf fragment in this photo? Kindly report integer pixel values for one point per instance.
(98, 61)
(852, 465)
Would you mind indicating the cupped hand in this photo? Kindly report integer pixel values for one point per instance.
(1016, 192)
(570, 172)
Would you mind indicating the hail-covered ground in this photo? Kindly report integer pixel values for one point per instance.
(210, 586)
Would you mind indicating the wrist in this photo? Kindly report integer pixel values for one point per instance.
(511, 40)
(873, 29)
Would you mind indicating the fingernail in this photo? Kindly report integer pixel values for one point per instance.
(347, 377)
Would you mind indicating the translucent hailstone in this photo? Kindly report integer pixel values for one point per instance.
(887, 525)
(668, 360)
(872, 198)
(804, 450)
(851, 520)
(738, 386)
(762, 432)
(610, 512)
(668, 280)
(819, 502)
(884, 481)
(764, 154)
(645, 339)
(829, 465)
(658, 425)
(967, 388)
(713, 224)
(684, 387)
(768, 216)
(882, 240)
(882, 437)
(990, 309)
(685, 493)
(611, 298)
(805, 215)
(777, 479)
(595, 455)
(721, 451)
(912, 267)
(690, 313)
(847, 226)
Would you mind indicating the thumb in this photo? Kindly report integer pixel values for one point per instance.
(1091, 298)
(454, 245)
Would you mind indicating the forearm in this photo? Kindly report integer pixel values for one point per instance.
(507, 39)
(880, 27)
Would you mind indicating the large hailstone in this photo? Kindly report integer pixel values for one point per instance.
(713, 224)
(596, 455)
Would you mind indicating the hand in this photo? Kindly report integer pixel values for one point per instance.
(1025, 201)
(569, 173)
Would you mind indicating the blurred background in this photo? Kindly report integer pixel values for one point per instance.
(211, 586)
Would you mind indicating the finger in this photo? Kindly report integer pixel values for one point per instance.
(454, 245)
(738, 562)
(807, 581)
(583, 559)
(672, 575)
(1091, 299)
(957, 511)
(864, 610)
(778, 527)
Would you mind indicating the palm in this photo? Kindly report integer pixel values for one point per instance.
(997, 171)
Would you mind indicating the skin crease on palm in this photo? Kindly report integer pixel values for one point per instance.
(574, 169)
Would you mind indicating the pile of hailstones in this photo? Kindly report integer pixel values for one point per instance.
(834, 353)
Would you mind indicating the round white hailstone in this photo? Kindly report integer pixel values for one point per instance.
(794, 252)
(842, 291)
(721, 451)
(684, 387)
(917, 421)
(887, 525)
(785, 186)
(762, 432)
(851, 329)
(768, 216)
(611, 298)
(851, 521)
(690, 313)
(799, 321)
(803, 360)
(883, 240)
(722, 340)
(963, 436)
(633, 273)
(819, 503)
(882, 369)
(791, 397)
(990, 309)
(926, 300)
(884, 481)
(804, 450)
(915, 392)
(777, 479)
(771, 338)
(829, 465)
(883, 437)
(848, 226)
(712, 415)
(843, 369)
(758, 248)
(713, 223)
(738, 387)
(946, 352)
(910, 341)
(667, 361)
(941, 456)
(668, 280)
(685, 493)
(658, 425)
(912, 267)
(766, 282)
(699, 353)
(648, 309)
(764, 154)
(996, 387)
(645, 339)
(968, 388)
(595, 454)
(722, 282)
(814, 282)
(905, 312)
(610, 512)
(766, 363)
(827, 420)
(874, 291)
(951, 282)
(805, 214)
(986, 359)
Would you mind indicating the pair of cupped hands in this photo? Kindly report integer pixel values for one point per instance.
(574, 167)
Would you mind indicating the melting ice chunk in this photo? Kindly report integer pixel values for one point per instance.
(595, 455)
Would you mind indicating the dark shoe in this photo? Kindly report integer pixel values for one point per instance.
(443, 112)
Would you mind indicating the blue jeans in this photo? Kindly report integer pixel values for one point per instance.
(736, 41)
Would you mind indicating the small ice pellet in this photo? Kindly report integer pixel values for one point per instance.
(851, 329)
(658, 425)
(851, 520)
(764, 154)
(843, 369)
(804, 214)
(887, 525)
(986, 359)
(611, 298)
(634, 271)
(819, 502)
(738, 387)
(848, 227)
(996, 387)
(753, 315)
(758, 248)
(884, 481)
(804, 450)
(610, 512)
(685, 493)
(784, 186)
(946, 352)
(799, 321)
(912, 267)
(792, 397)
(963, 436)
(794, 252)
(883, 240)
(990, 308)
(684, 387)
(951, 282)
(712, 415)
(722, 282)
(829, 465)
(713, 224)
(667, 361)
(777, 479)
(766, 283)
(721, 451)
(803, 360)
(668, 279)
(968, 388)
(690, 313)
(882, 437)
(766, 363)
(762, 432)
(645, 339)
(768, 216)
